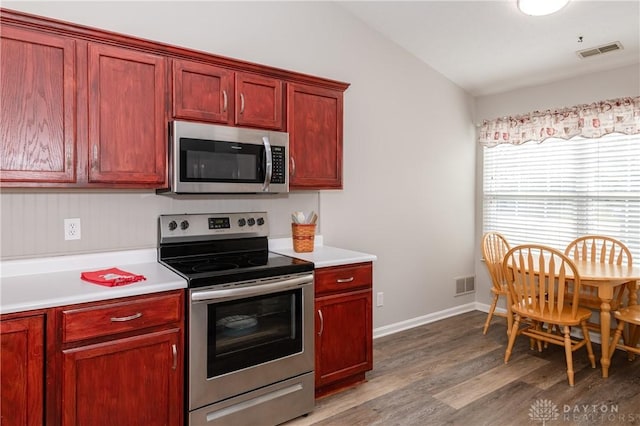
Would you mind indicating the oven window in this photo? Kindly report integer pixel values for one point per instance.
(247, 332)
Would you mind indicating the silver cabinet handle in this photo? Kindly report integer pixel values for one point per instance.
(129, 318)
(321, 322)
(225, 101)
(241, 103)
(174, 352)
(344, 280)
(293, 166)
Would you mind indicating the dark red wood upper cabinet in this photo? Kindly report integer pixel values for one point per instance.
(314, 123)
(202, 92)
(37, 107)
(85, 108)
(205, 92)
(258, 101)
(127, 115)
(22, 371)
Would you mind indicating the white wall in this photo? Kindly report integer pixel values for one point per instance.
(409, 149)
(586, 89)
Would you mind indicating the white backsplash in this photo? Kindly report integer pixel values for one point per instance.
(33, 222)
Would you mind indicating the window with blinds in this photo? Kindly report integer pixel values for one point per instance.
(555, 191)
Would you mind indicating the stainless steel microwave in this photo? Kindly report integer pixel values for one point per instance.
(208, 158)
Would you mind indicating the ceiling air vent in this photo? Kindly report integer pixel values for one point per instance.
(610, 47)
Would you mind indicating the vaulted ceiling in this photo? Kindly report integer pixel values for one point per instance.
(490, 46)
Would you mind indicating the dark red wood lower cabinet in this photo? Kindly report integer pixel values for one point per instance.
(344, 327)
(22, 371)
(130, 381)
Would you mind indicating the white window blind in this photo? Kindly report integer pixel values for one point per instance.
(555, 191)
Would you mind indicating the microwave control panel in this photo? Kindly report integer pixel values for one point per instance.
(278, 164)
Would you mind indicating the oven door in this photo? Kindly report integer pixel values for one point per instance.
(247, 336)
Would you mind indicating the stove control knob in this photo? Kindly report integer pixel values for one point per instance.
(260, 221)
(184, 225)
(172, 225)
(251, 221)
(242, 222)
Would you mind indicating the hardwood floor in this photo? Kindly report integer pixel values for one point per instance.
(449, 373)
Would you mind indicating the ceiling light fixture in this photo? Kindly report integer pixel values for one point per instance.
(541, 7)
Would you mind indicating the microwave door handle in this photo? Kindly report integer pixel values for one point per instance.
(268, 165)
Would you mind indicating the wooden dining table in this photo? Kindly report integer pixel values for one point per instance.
(606, 277)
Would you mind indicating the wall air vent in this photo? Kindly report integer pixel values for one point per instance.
(465, 285)
(599, 50)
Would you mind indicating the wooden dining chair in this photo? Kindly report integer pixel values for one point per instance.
(537, 276)
(631, 316)
(599, 249)
(494, 248)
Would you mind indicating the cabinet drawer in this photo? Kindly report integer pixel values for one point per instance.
(110, 318)
(341, 278)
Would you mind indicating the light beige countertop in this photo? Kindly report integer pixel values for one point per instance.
(39, 283)
(322, 256)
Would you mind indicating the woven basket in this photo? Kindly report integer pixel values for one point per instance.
(303, 236)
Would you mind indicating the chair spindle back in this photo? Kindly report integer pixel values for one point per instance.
(538, 276)
(494, 247)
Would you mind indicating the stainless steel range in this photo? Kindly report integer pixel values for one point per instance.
(250, 318)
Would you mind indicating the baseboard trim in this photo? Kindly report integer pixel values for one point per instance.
(425, 319)
(437, 316)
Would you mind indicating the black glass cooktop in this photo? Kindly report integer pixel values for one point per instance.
(221, 268)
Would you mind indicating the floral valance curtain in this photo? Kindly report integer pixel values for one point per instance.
(589, 121)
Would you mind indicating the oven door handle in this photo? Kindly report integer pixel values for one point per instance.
(251, 291)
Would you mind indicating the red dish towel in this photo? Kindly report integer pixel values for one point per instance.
(111, 277)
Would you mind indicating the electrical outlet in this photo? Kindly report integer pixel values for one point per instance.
(380, 299)
(72, 229)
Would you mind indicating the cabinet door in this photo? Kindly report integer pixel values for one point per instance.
(127, 117)
(258, 101)
(37, 107)
(131, 381)
(314, 122)
(343, 336)
(22, 371)
(202, 92)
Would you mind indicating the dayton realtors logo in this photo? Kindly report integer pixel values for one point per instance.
(544, 410)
